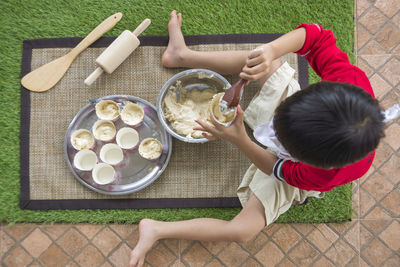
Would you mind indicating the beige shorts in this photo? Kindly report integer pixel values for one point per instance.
(276, 196)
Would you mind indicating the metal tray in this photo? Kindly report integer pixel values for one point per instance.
(135, 172)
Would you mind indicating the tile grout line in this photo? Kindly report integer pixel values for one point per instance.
(168, 248)
(343, 238)
(89, 243)
(72, 257)
(372, 36)
(285, 254)
(40, 228)
(378, 204)
(122, 240)
(252, 255)
(307, 241)
(375, 236)
(18, 243)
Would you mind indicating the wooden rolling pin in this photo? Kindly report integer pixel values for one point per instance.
(46, 76)
(117, 52)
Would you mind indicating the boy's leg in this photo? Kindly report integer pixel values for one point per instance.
(178, 54)
(246, 225)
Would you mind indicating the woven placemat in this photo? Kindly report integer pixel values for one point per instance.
(198, 175)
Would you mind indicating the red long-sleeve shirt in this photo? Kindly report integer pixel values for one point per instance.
(331, 64)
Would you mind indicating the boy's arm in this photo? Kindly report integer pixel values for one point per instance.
(260, 157)
(290, 42)
(260, 59)
(236, 134)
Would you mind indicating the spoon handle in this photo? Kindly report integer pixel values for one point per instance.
(97, 32)
(232, 95)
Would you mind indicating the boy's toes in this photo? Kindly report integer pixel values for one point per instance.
(173, 14)
(179, 18)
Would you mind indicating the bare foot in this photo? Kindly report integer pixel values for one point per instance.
(147, 237)
(172, 56)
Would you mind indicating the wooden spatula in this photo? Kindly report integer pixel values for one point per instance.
(232, 96)
(46, 76)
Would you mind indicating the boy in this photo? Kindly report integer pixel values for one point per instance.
(320, 137)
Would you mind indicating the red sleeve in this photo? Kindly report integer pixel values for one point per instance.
(328, 61)
(306, 177)
(321, 51)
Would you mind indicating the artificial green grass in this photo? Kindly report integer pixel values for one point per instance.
(33, 19)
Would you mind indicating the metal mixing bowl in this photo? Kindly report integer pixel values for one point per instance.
(190, 79)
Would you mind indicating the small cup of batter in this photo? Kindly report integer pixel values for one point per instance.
(132, 114)
(82, 139)
(150, 148)
(104, 130)
(107, 110)
(225, 118)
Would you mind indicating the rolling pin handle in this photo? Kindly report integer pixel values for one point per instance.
(145, 23)
(93, 76)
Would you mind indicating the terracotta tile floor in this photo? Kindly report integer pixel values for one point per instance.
(372, 238)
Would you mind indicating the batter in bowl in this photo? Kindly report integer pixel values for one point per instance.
(192, 105)
(182, 114)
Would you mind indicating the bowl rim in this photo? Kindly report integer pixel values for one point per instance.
(163, 92)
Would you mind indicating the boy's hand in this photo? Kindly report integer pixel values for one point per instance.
(233, 133)
(258, 63)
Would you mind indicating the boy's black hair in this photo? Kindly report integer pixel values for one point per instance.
(329, 125)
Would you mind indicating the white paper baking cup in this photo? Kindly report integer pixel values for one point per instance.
(82, 139)
(111, 154)
(104, 130)
(107, 110)
(127, 138)
(85, 160)
(132, 114)
(103, 173)
(150, 148)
